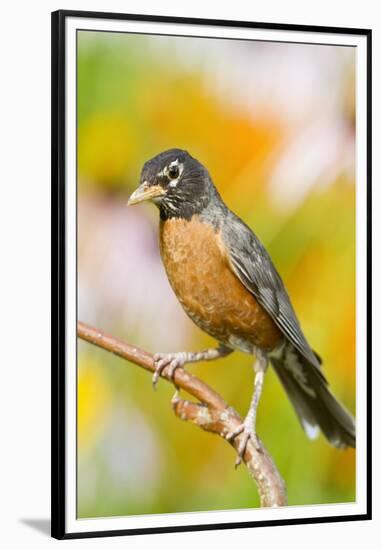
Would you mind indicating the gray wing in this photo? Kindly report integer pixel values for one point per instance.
(254, 268)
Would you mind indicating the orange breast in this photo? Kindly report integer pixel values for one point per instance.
(209, 291)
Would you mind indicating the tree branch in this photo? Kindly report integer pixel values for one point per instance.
(212, 414)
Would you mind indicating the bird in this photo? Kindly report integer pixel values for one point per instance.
(228, 285)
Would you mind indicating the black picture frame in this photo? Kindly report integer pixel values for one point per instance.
(58, 288)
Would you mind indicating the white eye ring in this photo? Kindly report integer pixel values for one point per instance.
(173, 171)
(180, 167)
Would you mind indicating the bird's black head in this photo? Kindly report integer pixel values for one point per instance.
(177, 183)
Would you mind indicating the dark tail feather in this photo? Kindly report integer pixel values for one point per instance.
(314, 404)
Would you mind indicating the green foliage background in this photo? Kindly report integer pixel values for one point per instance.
(138, 95)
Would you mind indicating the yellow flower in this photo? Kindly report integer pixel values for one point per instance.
(105, 147)
(94, 400)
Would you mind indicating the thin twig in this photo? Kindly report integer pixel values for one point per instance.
(212, 414)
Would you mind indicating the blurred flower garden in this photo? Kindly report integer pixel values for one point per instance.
(274, 124)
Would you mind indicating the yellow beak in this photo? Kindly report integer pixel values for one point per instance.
(145, 192)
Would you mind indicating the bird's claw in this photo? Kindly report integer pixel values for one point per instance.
(171, 361)
(176, 398)
(247, 433)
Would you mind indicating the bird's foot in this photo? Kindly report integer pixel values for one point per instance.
(171, 360)
(247, 432)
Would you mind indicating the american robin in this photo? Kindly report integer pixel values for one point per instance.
(227, 284)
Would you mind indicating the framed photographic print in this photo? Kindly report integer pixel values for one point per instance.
(210, 241)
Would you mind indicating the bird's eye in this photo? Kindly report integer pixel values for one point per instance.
(173, 172)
